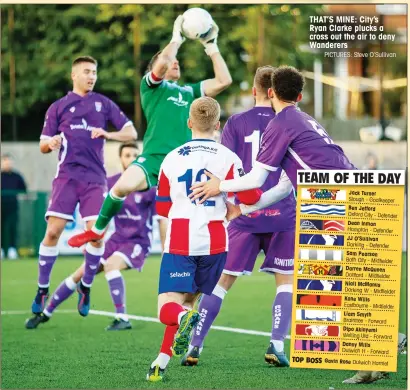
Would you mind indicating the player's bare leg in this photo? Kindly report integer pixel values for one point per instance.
(281, 318)
(48, 253)
(133, 179)
(112, 269)
(209, 309)
(174, 311)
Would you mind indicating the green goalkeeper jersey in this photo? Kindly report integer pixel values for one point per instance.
(166, 108)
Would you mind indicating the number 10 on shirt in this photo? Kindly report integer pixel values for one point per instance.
(187, 179)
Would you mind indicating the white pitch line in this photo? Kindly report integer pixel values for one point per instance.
(146, 319)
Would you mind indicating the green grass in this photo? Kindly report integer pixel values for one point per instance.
(75, 352)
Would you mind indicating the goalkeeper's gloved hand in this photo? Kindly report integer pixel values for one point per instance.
(177, 36)
(209, 41)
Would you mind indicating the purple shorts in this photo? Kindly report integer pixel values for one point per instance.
(133, 253)
(65, 195)
(244, 247)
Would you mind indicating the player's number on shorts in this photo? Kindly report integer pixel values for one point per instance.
(321, 132)
(254, 139)
(187, 178)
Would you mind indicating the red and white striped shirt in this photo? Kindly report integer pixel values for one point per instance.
(196, 229)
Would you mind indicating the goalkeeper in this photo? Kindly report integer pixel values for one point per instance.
(166, 107)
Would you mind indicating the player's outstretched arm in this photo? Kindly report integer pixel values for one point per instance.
(254, 179)
(170, 51)
(222, 79)
(274, 195)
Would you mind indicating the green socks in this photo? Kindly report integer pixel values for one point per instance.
(111, 206)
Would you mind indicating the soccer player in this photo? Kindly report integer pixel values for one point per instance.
(271, 230)
(126, 249)
(196, 241)
(76, 126)
(166, 107)
(293, 140)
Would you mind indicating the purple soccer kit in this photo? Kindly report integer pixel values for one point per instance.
(133, 227)
(80, 176)
(131, 241)
(294, 140)
(271, 229)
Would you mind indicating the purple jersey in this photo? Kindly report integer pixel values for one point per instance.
(134, 220)
(242, 134)
(74, 117)
(294, 140)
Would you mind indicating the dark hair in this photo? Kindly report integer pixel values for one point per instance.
(152, 61)
(127, 145)
(287, 83)
(263, 79)
(81, 59)
(7, 155)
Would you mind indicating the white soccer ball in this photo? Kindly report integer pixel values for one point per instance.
(197, 23)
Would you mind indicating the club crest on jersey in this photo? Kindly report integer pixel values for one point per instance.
(184, 151)
(98, 106)
(72, 109)
(137, 198)
(322, 194)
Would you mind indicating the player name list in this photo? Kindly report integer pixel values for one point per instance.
(347, 317)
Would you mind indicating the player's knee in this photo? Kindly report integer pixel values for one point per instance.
(226, 281)
(111, 266)
(53, 234)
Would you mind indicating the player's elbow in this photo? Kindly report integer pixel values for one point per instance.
(133, 134)
(249, 197)
(227, 81)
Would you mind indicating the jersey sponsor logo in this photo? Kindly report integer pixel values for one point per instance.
(178, 101)
(323, 209)
(261, 114)
(129, 215)
(184, 151)
(265, 212)
(179, 275)
(84, 126)
(98, 106)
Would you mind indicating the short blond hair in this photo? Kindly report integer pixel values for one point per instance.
(263, 79)
(204, 114)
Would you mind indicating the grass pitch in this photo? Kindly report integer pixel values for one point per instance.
(74, 352)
